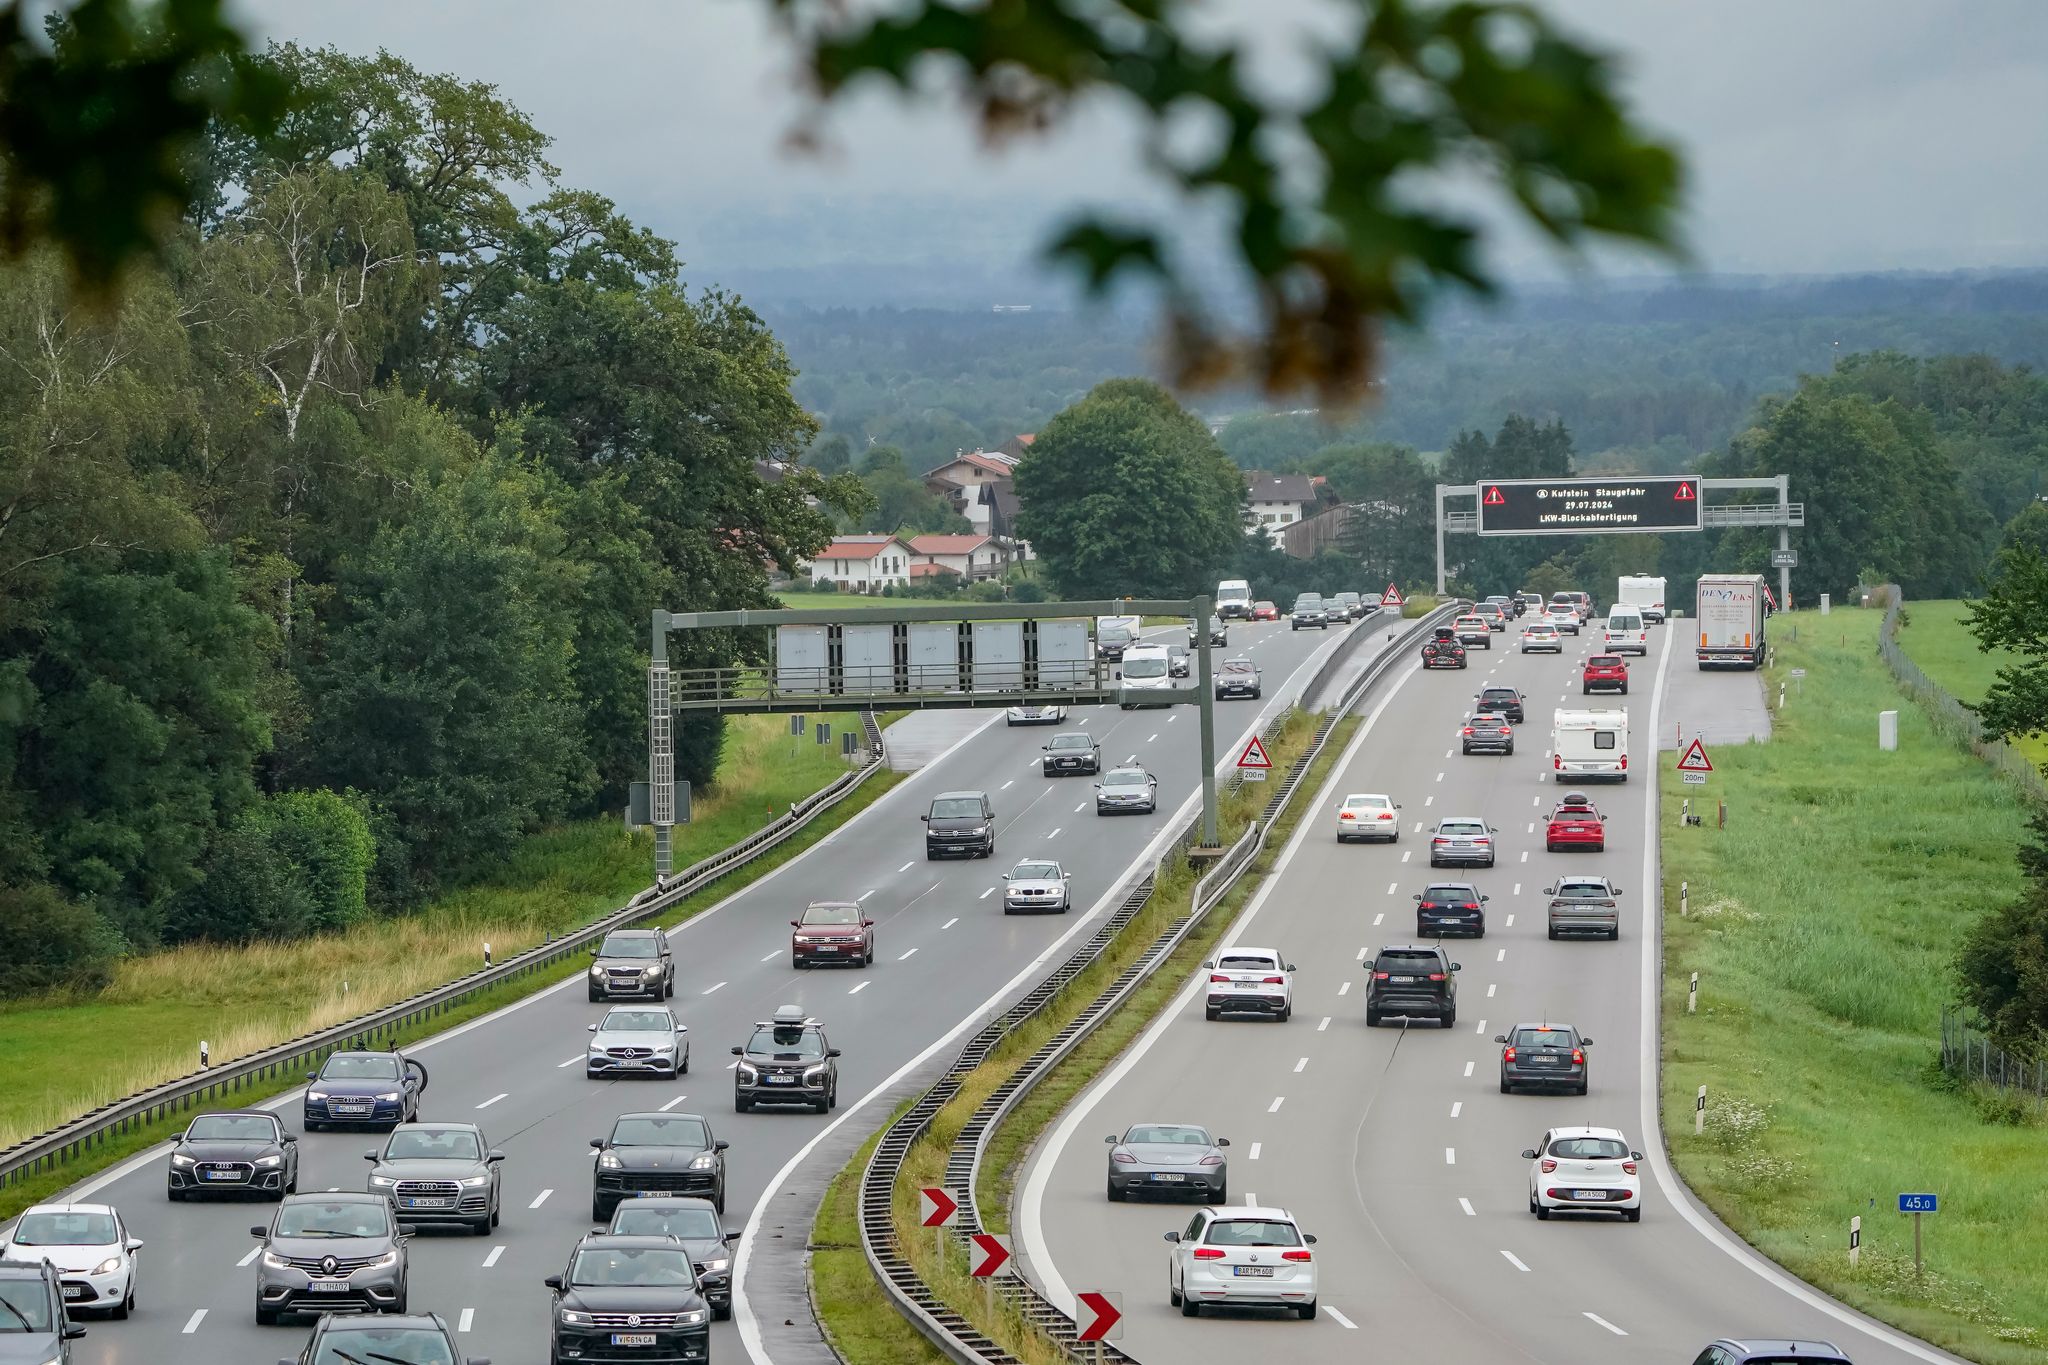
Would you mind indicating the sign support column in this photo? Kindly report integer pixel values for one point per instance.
(1784, 540)
(1440, 589)
(1207, 703)
(661, 754)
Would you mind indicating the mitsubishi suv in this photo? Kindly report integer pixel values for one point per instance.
(633, 962)
(786, 1061)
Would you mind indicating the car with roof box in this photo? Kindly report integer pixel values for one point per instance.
(694, 1223)
(1443, 649)
(1575, 822)
(786, 1060)
(226, 1151)
(438, 1173)
(628, 1298)
(632, 962)
(1412, 981)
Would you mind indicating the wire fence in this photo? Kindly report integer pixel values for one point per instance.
(1969, 1054)
(1950, 717)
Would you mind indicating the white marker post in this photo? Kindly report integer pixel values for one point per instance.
(203, 1062)
(1685, 892)
(1855, 1239)
(487, 954)
(1699, 1113)
(1692, 995)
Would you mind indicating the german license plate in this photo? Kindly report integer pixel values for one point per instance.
(1589, 1194)
(1253, 1272)
(223, 1175)
(1401, 978)
(632, 1338)
(1164, 1175)
(328, 1286)
(780, 1080)
(351, 1108)
(1542, 1061)
(1245, 985)
(74, 1291)
(826, 950)
(430, 1203)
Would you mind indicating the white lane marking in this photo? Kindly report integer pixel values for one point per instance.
(1170, 719)
(1344, 988)
(1481, 1030)
(1055, 834)
(1525, 855)
(1078, 809)
(673, 1103)
(1343, 1321)
(1602, 1321)
(864, 895)
(1518, 888)
(1251, 1201)
(1301, 1066)
(1086, 719)
(468, 1317)
(540, 1199)
(1466, 1205)
(1392, 887)
(1428, 801)
(579, 1057)
(986, 894)
(1514, 1261)
(254, 1252)
(491, 1101)
(907, 956)
(1149, 738)
(1007, 785)
(772, 956)
(1418, 827)
(1532, 827)
(1376, 924)
(708, 989)
(1363, 951)
(956, 919)
(1537, 801)
(1255, 1151)
(1274, 1107)
(1491, 989)
(1447, 753)
(861, 987)
(906, 867)
(492, 1259)
(1324, 1025)
(1501, 956)
(1468, 1068)
(1404, 856)
(192, 1323)
(1457, 1106)
(1511, 921)
(1450, 1156)
(1439, 777)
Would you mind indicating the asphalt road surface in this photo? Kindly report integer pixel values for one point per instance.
(1394, 1146)
(944, 949)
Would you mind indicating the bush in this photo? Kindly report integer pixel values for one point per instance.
(1027, 590)
(50, 943)
(297, 863)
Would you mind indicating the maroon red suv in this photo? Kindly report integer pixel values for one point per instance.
(832, 932)
(1604, 673)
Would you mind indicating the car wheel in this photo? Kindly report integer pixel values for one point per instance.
(1542, 1214)
(496, 1211)
(723, 1314)
(1582, 1087)
(1189, 1308)
(594, 998)
(398, 1306)
(1553, 935)
(1549, 847)
(719, 1202)
(1614, 934)
(1624, 690)
(1509, 751)
(1172, 1294)
(278, 1196)
(1600, 847)
(668, 990)
(1116, 1196)
(314, 1126)
(1532, 1203)
(1585, 691)
(1633, 1215)
(1372, 1018)
(1451, 1019)
(1287, 1012)
(598, 1212)
(742, 1106)
(176, 1196)
(1468, 751)
(126, 1306)
(266, 1317)
(1212, 1014)
(1307, 1310)
(684, 1069)
(1505, 1088)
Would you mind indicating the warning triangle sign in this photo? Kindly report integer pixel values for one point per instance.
(1392, 597)
(1254, 755)
(1683, 493)
(1494, 497)
(1694, 759)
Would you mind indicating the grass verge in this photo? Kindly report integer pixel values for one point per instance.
(560, 894)
(858, 1318)
(1824, 922)
(1936, 636)
(925, 1164)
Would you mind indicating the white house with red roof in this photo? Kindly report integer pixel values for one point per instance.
(970, 555)
(863, 563)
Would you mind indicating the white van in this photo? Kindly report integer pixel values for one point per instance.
(1589, 745)
(1146, 668)
(1627, 632)
(1234, 599)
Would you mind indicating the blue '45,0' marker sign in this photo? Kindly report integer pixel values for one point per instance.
(1918, 1203)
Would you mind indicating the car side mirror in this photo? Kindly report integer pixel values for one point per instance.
(1500, 1037)
(867, 924)
(831, 1052)
(259, 1231)
(1006, 876)
(134, 1244)
(1290, 966)
(738, 1051)
(1457, 966)
(796, 924)
(926, 818)
(1309, 1237)
(1209, 966)
(1614, 891)
(553, 1281)
(310, 1075)
(593, 950)
(728, 1234)
(370, 1155)
(1635, 1156)
(1222, 1142)
(1416, 897)
(1484, 899)
(590, 1028)
(597, 1142)
(1529, 1153)
(682, 1028)
(495, 1154)
(1111, 1139)
(289, 1137)
(1173, 1237)
(72, 1331)
(1550, 891)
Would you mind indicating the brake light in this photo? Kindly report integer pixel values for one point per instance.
(1546, 1166)
(1212, 1160)
(1274, 980)
(1208, 1254)
(1629, 1166)
(1471, 905)
(1436, 976)
(1468, 729)
(1125, 1157)
(1578, 1057)
(1345, 815)
(1624, 762)
(1218, 976)
(1379, 976)
(1557, 760)
(1509, 1055)
(1386, 815)
(1297, 1256)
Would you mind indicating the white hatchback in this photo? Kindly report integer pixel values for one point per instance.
(1368, 815)
(1250, 981)
(1585, 1169)
(91, 1249)
(1244, 1257)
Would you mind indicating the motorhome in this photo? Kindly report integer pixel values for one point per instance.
(1588, 745)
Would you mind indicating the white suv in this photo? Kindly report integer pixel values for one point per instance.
(1250, 981)
(1249, 1256)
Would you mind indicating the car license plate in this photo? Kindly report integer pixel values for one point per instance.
(223, 1175)
(826, 950)
(1245, 985)
(430, 1203)
(1253, 1272)
(1542, 1061)
(328, 1286)
(1401, 979)
(632, 1338)
(1589, 1194)
(351, 1108)
(74, 1291)
(1164, 1175)
(780, 1080)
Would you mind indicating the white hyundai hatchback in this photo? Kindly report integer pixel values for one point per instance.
(89, 1246)
(1368, 815)
(1245, 1257)
(1586, 1169)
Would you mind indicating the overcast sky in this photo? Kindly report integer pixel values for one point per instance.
(1822, 135)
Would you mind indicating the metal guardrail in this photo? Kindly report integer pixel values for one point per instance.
(954, 1335)
(96, 1128)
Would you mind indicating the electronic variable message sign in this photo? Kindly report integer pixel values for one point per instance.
(1562, 507)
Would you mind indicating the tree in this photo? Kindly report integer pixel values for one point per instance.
(1127, 494)
(293, 864)
(2028, 532)
(1391, 527)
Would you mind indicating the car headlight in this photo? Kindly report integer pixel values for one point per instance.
(316, 1095)
(275, 1262)
(714, 1267)
(274, 1159)
(813, 1072)
(388, 1096)
(610, 1161)
(572, 1318)
(664, 1048)
(703, 1162)
(474, 1182)
(384, 1262)
(596, 969)
(748, 1073)
(651, 971)
(382, 1182)
(691, 1318)
(179, 1159)
(108, 1266)
(806, 938)
(979, 829)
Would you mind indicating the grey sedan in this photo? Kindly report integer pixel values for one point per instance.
(1168, 1158)
(1035, 886)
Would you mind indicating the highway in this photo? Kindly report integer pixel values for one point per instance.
(1394, 1145)
(945, 954)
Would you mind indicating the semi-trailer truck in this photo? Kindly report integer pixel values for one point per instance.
(1730, 620)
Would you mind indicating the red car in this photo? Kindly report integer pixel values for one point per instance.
(1576, 823)
(1265, 611)
(834, 932)
(1604, 672)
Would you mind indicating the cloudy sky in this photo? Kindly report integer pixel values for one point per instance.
(1822, 135)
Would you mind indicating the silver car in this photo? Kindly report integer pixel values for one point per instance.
(1035, 715)
(1584, 905)
(438, 1173)
(638, 1040)
(1035, 886)
(1168, 1158)
(328, 1253)
(1127, 789)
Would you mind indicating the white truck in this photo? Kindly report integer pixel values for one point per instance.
(1730, 620)
(1589, 745)
(1234, 599)
(1645, 593)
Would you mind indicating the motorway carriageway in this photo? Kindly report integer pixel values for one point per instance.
(945, 954)
(1395, 1146)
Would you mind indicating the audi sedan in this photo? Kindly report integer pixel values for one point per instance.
(1542, 1057)
(1168, 1158)
(1368, 815)
(1035, 886)
(1460, 840)
(1586, 1170)
(234, 1149)
(638, 1040)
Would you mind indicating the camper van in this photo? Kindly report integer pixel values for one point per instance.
(1589, 745)
(1644, 592)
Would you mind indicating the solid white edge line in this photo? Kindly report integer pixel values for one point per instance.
(1651, 1032)
(1028, 1224)
(743, 1318)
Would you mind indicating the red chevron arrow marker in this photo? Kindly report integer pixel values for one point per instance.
(939, 1207)
(1101, 1315)
(992, 1253)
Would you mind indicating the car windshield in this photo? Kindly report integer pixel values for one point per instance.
(1604, 661)
(1539, 630)
(1407, 962)
(1251, 1232)
(68, 1229)
(314, 1219)
(659, 1130)
(629, 947)
(1486, 718)
(1583, 891)
(1036, 872)
(433, 1144)
(1146, 666)
(787, 1042)
(1245, 962)
(1462, 828)
(1507, 694)
(1237, 666)
(832, 914)
(1363, 802)
(232, 1128)
(1070, 742)
(956, 808)
(1125, 777)
(692, 1225)
(1590, 1148)
(358, 1067)
(1174, 1133)
(24, 1305)
(383, 1346)
(638, 1021)
(1542, 1037)
(632, 1265)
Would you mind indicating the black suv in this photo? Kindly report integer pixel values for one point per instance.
(1413, 981)
(1237, 678)
(1071, 751)
(1486, 732)
(786, 1061)
(694, 1223)
(339, 1340)
(1443, 649)
(33, 1326)
(657, 1154)
(626, 1298)
(1450, 908)
(960, 822)
(1506, 701)
(633, 962)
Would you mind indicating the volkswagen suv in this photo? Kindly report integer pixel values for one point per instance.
(628, 1298)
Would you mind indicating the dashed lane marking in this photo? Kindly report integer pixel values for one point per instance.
(1466, 1205)
(192, 1323)
(673, 1103)
(861, 987)
(1255, 1151)
(1514, 1260)
(956, 919)
(492, 1259)
(1605, 1323)
(540, 1199)
(254, 1252)
(491, 1101)
(1274, 1107)
(468, 1317)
